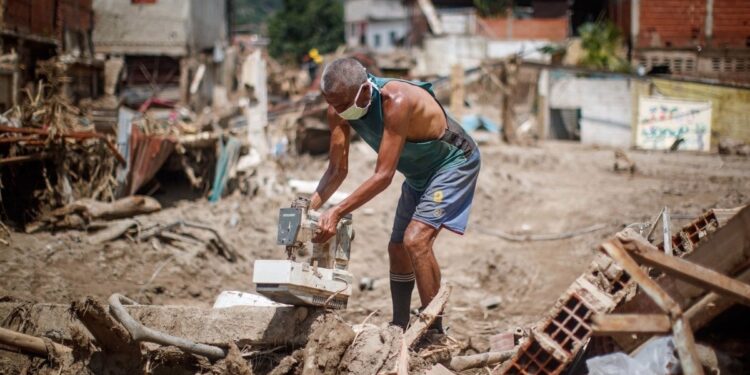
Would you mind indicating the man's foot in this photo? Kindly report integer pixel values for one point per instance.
(436, 325)
(432, 339)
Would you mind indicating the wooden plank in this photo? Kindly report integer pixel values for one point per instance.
(427, 316)
(683, 335)
(695, 274)
(28, 343)
(727, 250)
(711, 305)
(605, 325)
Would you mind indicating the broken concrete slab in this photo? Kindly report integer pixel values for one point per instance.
(244, 325)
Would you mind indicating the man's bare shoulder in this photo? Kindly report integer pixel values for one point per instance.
(396, 94)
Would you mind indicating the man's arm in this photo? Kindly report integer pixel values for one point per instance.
(338, 163)
(396, 120)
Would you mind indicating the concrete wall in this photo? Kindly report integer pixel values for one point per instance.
(383, 30)
(441, 53)
(209, 23)
(166, 27)
(376, 19)
(605, 104)
(364, 10)
(730, 116)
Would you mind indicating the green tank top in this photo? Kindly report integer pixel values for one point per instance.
(419, 161)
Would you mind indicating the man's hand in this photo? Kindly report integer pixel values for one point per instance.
(327, 223)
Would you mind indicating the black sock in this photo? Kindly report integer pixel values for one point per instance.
(401, 287)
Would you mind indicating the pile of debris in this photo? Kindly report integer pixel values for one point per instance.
(664, 304)
(50, 156)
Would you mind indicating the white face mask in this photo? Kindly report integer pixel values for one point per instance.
(354, 112)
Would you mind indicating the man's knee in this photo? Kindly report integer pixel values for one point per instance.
(417, 241)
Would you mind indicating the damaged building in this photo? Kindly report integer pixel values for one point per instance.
(168, 49)
(38, 30)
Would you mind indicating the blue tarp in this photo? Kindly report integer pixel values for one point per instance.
(471, 123)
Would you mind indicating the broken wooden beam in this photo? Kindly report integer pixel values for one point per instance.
(711, 305)
(683, 335)
(707, 278)
(427, 316)
(605, 325)
(725, 249)
(465, 362)
(28, 343)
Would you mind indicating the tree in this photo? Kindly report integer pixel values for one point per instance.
(302, 25)
(490, 8)
(252, 15)
(601, 42)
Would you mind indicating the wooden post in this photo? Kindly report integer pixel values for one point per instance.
(508, 79)
(457, 91)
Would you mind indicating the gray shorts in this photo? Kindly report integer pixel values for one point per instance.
(446, 201)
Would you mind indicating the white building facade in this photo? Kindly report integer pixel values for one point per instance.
(379, 25)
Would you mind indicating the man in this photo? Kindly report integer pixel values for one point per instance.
(407, 126)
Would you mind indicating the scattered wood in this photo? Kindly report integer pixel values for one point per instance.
(121, 208)
(466, 362)
(113, 231)
(28, 343)
(439, 369)
(166, 231)
(402, 365)
(704, 277)
(83, 211)
(427, 316)
(630, 323)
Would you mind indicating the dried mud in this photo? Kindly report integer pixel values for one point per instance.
(554, 187)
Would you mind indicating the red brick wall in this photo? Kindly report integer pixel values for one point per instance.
(38, 17)
(75, 14)
(553, 29)
(672, 23)
(682, 24)
(731, 23)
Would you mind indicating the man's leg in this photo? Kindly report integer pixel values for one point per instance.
(402, 273)
(418, 241)
(402, 283)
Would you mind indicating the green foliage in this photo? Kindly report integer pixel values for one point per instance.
(254, 13)
(600, 42)
(301, 25)
(489, 8)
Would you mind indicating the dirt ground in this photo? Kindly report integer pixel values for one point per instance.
(552, 187)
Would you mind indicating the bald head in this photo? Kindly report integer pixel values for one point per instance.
(343, 77)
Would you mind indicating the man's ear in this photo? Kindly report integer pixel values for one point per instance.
(365, 96)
